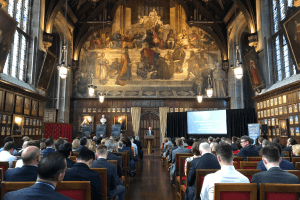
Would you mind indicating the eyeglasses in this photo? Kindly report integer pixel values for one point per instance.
(242, 141)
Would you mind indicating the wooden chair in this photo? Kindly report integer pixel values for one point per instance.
(77, 190)
(235, 164)
(200, 174)
(181, 178)
(4, 165)
(248, 165)
(123, 177)
(1, 175)
(13, 165)
(249, 172)
(294, 160)
(286, 153)
(254, 159)
(73, 158)
(103, 174)
(183, 187)
(124, 168)
(297, 165)
(214, 152)
(167, 160)
(286, 158)
(177, 163)
(295, 172)
(225, 191)
(271, 191)
(238, 160)
(74, 153)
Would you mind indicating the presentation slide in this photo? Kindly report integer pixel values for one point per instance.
(207, 122)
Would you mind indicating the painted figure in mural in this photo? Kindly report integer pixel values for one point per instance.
(253, 68)
(170, 40)
(101, 67)
(127, 40)
(202, 60)
(124, 69)
(157, 39)
(193, 66)
(219, 81)
(95, 42)
(139, 39)
(183, 39)
(107, 40)
(153, 15)
(114, 67)
(117, 40)
(147, 58)
(163, 71)
(149, 38)
(178, 56)
(103, 39)
(194, 39)
(170, 62)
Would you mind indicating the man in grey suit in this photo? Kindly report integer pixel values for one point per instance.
(274, 174)
(149, 132)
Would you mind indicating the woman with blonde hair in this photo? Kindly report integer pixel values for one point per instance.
(92, 146)
(296, 150)
(75, 144)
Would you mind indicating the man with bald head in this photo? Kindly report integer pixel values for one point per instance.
(28, 172)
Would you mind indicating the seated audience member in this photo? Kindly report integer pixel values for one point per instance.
(172, 149)
(180, 149)
(57, 143)
(290, 143)
(260, 140)
(125, 146)
(165, 140)
(196, 154)
(8, 139)
(92, 146)
(227, 141)
(210, 139)
(24, 139)
(183, 140)
(103, 141)
(28, 172)
(51, 171)
(238, 144)
(6, 154)
(248, 150)
(233, 143)
(296, 150)
(23, 147)
(140, 148)
(206, 161)
(120, 146)
(42, 146)
(271, 159)
(113, 188)
(284, 164)
(35, 143)
(83, 143)
(81, 172)
(135, 148)
(49, 147)
(227, 174)
(190, 143)
(111, 156)
(169, 143)
(75, 144)
(66, 150)
(277, 141)
(213, 146)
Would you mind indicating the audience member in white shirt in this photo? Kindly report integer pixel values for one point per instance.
(6, 154)
(134, 147)
(227, 174)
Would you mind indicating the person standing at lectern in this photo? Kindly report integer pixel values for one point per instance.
(149, 132)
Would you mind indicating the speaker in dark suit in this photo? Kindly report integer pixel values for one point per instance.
(24, 173)
(149, 132)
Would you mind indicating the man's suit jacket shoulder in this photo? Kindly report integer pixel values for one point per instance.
(70, 163)
(207, 161)
(248, 151)
(179, 150)
(25, 173)
(275, 175)
(46, 151)
(35, 192)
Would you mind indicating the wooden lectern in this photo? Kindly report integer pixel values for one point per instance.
(150, 139)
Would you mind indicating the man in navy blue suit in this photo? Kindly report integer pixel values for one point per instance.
(66, 150)
(260, 141)
(58, 142)
(110, 156)
(206, 161)
(271, 159)
(233, 143)
(51, 171)
(113, 188)
(28, 172)
(284, 164)
(49, 147)
(81, 172)
(248, 150)
(290, 143)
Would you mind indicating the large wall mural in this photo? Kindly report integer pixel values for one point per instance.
(150, 54)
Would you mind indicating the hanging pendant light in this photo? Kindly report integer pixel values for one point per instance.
(91, 89)
(101, 98)
(199, 98)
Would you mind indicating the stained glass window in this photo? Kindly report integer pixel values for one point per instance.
(16, 62)
(278, 58)
(275, 16)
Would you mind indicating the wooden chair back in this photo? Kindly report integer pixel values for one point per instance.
(13, 165)
(254, 159)
(4, 165)
(188, 166)
(297, 165)
(214, 152)
(73, 158)
(115, 162)
(103, 175)
(225, 191)
(286, 153)
(249, 172)
(74, 153)
(238, 160)
(124, 161)
(295, 172)
(294, 160)
(286, 158)
(1, 175)
(200, 174)
(128, 156)
(248, 165)
(271, 191)
(178, 162)
(77, 190)
(235, 164)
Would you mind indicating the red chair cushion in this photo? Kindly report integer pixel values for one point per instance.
(235, 195)
(279, 196)
(3, 168)
(184, 186)
(235, 152)
(238, 166)
(183, 178)
(73, 194)
(250, 167)
(250, 178)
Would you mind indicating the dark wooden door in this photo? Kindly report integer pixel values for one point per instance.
(150, 119)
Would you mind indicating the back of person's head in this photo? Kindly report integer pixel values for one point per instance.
(35, 143)
(101, 150)
(183, 139)
(51, 166)
(75, 143)
(86, 154)
(292, 141)
(265, 142)
(189, 142)
(109, 144)
(204, 147)
(65, 149)
(92, 146)
(137, 138)
(275, 144)
(213, 145)
(103, 141)
(58, 142)
(98, 141)
(260, 139)
(251, 141)
(169, 139)
(8, 139)
(83, 141)
(9, 146)
(224, 150)
(49, 142)
(30, 155)
(210, 139)
(296, 149)
(42, 146)
(234, 139)
(25, 138)
(120, 144)
(88, 136)
(123, 139)
(276, 140)
(218, 140)
(227, 140)
(271, 153)
(179, 142)
(195, 149)
(128, 143)
(238, 143)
